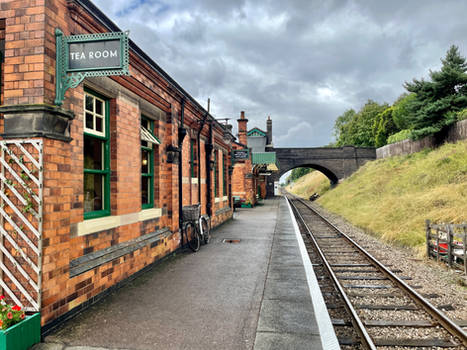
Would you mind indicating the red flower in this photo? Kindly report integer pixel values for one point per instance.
(9, 315)
(2, 297)
(21, 316)
(16, 308)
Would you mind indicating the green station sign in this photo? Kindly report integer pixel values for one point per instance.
(88, 55)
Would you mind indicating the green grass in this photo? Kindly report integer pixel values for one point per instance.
(305, 186)
(391, 198)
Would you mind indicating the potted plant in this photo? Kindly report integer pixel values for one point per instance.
(247, 204)
(18, 331)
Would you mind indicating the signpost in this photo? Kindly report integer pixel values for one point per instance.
(88, 55)
(240, 154)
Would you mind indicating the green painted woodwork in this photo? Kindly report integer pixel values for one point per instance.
(263, 158)
(224, 184)
(22, 335)
(66, 78)
(256, 132)
(106, 171)
(150, 173)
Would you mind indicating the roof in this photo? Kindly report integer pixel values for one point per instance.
(264, 157)
(256, 132)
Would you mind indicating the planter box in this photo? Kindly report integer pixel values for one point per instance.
(22, 335)
(246, 205)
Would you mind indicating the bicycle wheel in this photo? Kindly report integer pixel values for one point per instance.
(204, 225)
(192, 236)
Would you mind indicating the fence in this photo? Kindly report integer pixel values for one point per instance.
(447, 242)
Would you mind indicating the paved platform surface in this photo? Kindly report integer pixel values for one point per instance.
(246, 295)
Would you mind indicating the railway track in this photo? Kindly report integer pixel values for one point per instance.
(370, 306)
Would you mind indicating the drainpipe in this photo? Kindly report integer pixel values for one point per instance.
(198, 140)
(181, 136)
(209, 148)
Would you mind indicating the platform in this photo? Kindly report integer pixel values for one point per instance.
(251, 294)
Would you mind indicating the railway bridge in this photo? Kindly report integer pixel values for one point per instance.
(335, 162)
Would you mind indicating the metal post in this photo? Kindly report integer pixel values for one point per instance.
(437, 244)
(449, 238)
(428, 238)
(464, 243)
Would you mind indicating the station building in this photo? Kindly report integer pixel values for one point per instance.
(92, 186)
(251, 175)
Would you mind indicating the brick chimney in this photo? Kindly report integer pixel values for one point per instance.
(242, 128)
(269, 131)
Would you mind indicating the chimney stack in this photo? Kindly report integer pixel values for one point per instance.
(242, 128)
(269, 131)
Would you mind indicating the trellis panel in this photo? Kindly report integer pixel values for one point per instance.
(21, 183)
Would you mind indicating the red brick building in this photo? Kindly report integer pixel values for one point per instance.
(250, 176)
(92, 189)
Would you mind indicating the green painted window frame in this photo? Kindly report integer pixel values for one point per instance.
(150, 175)
(106, 171)
(216, 174)
(224, 182)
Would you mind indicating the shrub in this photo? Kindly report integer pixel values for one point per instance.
(401, 135)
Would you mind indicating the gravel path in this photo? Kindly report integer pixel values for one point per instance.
(433, 278)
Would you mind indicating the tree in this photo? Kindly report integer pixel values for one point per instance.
(298, 173)
(401, 111)
(357, 129)
(341, 126)
(384, 126)
(437, 102)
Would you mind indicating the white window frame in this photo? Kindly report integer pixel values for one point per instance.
(94, 114)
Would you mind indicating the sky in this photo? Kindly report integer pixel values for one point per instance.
(302, 62)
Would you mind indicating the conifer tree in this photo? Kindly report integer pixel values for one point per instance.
(438, 101)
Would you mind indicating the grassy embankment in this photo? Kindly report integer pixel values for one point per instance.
(391, 198)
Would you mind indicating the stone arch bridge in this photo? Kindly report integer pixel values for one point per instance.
(335, 163)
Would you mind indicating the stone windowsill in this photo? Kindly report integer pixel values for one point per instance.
(87, 227)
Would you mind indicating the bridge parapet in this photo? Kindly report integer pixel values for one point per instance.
(336, 163)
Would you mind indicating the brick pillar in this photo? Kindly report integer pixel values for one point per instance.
(242, 128)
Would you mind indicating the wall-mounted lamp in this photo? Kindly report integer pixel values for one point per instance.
(173, 154)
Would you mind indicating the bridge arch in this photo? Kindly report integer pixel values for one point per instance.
(335, 162)
(333, 179)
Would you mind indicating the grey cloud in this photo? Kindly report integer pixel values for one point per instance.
(277, 57)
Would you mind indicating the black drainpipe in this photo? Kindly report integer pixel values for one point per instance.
(208, 151)
(198, 142)
(181, 136)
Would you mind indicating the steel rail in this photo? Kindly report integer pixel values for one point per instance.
(365, 338)
(447, 323)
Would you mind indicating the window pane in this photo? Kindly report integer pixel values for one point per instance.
(89, 121)
(93, 149)
(99, 124)
(93, 192)
(145, 190)
(145, 162)
(98, 107)
(89, 103)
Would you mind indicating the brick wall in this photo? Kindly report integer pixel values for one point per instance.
(29, 78)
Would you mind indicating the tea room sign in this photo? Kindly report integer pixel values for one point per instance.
(88, 55)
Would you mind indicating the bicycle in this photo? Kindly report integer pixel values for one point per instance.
(195, 226)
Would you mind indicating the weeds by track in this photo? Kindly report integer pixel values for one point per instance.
(371, 307)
